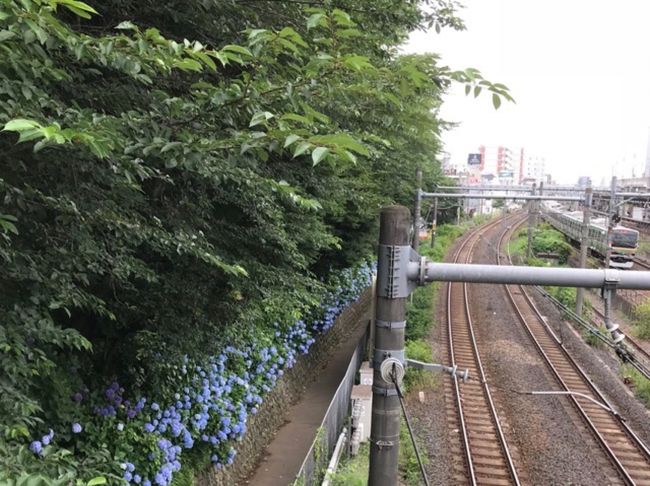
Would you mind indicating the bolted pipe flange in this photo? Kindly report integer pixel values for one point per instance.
(390, 367)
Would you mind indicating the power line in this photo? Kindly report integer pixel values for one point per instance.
(408, 425)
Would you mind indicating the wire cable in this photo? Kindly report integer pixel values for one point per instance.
(408, 426)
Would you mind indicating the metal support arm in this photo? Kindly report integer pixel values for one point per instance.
(561, 277)
(439, 368)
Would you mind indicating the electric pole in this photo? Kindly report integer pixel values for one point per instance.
(584, 245)
(611, 213)
(435, 222)
(531, 215)
(416, 216)
(390, 323)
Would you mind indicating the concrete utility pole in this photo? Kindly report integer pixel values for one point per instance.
(416, 215)
(531, 222)
(610, 221)
(435, 222)
(389, 343)
(584, 245)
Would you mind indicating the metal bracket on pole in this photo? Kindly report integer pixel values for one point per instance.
(382, 355)
(608, 292)
(452, 370)
(392, 271)
(390, 324)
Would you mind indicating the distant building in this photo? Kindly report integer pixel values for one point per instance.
(647, 158)
(533, 168)
(584, 181)
(500, 165)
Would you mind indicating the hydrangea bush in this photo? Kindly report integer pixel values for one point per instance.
(214, 398)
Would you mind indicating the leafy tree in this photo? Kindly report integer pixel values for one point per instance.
(164, 196)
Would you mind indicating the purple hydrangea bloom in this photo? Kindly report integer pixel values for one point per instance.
(76, 428)
(36, 447)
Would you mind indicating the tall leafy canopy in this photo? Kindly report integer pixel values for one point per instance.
(176, 175)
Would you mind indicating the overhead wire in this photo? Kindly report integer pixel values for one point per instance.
(408, 426)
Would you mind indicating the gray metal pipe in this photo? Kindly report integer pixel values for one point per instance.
(513, 188)
(561, 277)
(603, 193)
(488, 196)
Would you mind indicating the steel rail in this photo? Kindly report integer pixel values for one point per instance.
(493, 415)
(586, 382)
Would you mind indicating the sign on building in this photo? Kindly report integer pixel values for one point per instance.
(474, 159)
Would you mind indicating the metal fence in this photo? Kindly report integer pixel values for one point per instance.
(315, 463)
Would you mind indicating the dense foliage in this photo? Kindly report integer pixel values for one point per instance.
(178, 182)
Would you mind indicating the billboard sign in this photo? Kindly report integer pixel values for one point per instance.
(474, 159)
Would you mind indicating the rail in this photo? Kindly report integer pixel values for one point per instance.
(463, 345)
(621, 445)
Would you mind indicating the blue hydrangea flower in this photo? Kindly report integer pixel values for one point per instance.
(36, 447)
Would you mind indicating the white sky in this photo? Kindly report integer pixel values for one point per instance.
(579, 71)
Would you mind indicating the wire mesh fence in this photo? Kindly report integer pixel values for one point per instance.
(314, 466)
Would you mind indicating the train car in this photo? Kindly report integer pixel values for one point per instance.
(625, 241)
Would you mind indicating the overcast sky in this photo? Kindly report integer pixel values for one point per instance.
(579, 71)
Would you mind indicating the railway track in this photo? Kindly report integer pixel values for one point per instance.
(487, 456)
(629, 457)
(644, 264)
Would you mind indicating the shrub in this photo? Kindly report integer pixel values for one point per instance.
(640, 383)
(414, 378)
(642, 320)
(353, 472)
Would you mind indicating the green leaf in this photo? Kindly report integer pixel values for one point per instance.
(350, 156)
(126, 25)
(315, 20)
(260, 117)
(301, 149)
(4, 15)
(20, 124)
(79, 12)
(496, 101)
(291, 139)
(289, 33)
(237, 49)
(169, 146)
(356, 62)
(7, 224)
(6, 35)
(78, 6)
(468, 88)
(207, 60)
(319, 154)
(96, 481)
(30, 134)
(477, 91)
(342, 140)
(188, 65)
(349, 33)
(296, 117)
(40, 33)
(342, 18)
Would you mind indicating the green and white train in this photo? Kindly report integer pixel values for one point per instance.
(625, 241)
